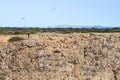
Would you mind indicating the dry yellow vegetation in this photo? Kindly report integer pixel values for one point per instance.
(52, 56)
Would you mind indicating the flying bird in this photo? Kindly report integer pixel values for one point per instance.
(22, 18)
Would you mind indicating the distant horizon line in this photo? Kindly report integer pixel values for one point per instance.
(66, 26)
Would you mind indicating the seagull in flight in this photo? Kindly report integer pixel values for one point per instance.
(22, 18)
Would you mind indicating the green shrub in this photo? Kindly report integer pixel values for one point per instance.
(33, 30)
(15, 39)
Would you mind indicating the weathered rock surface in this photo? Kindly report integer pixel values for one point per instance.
(50, 56)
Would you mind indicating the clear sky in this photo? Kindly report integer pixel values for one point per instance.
(59, 12)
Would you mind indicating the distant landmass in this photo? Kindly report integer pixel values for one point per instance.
(80, 26)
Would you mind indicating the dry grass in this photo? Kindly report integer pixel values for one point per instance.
(78, 56)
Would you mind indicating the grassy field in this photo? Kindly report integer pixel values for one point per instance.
(17, 30)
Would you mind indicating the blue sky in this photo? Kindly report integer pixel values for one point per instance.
(59, 12)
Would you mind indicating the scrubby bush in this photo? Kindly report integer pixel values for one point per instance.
(17, 30)
(15, 39)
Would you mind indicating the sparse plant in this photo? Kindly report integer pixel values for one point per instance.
(15, 39)
(56, 51)
(1, 78)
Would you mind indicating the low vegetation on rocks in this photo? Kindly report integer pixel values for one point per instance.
(17, 30)
(12, 39)
(52, 56)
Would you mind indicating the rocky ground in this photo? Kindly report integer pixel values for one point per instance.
(51, 56)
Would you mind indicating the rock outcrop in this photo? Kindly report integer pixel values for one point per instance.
(50, 56)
